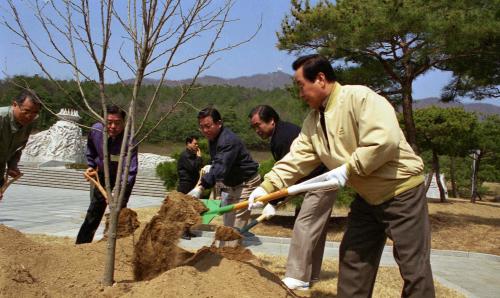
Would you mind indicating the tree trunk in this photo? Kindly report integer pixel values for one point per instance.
(109, 265)
(454, 190)
(428, 180)
(435, 165)
(476, 158)
(411, 134)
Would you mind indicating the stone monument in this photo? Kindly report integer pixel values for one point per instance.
(149, 161)
(62, 143)
(433, 191)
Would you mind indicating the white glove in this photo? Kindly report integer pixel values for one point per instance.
(256, 193)
(338, 174)
(269, 211)
(205, 169)
(196, 192)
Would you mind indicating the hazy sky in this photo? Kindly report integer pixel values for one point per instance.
(258, 56)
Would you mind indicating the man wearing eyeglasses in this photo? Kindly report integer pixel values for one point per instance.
(16, 123)
(231, 165)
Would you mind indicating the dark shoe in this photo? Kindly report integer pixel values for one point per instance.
(191, 234)
(186, 236)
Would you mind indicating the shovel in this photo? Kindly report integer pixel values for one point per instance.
(8, 182)
(268, 212)
(210, 204)
(305, 186)
(91, 179)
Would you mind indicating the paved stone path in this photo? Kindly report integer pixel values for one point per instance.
(60, 212)
(53, 211)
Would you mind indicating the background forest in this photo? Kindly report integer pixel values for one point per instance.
(433, 125)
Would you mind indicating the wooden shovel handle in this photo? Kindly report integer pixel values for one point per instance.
(97, 184)
(264, 199)
(8, 182)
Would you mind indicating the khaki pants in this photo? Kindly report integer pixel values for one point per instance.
(309, 235)
(235, 194)
(405, 220)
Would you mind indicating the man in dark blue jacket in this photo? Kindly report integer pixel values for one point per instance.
(309, 231)
(231, 164)
(95, 160)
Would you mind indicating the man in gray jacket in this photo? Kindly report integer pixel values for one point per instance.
(16, 123)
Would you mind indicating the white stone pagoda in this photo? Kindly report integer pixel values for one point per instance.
(62, 143)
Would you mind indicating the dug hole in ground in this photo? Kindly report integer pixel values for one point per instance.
(148, 262)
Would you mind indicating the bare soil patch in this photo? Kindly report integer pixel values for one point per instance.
(387, 284)
(44, 267)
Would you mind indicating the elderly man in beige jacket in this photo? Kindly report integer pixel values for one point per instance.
(355, 133)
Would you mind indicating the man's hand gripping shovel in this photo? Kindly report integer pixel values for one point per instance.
(89, 175)
(209, 203)
(7, 183)
(315, 183)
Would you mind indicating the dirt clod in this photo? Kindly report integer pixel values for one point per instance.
(224, 233)
(127, 223)
(157, 251)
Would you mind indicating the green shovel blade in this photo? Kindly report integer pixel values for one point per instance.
(214, 210)
(211, 204)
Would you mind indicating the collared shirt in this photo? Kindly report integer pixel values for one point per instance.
(231, 162)
(13, 139)
(95, 155)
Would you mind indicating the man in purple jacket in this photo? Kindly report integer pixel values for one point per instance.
(95, 159)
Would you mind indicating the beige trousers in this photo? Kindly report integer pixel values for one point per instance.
(309, 235)
(235, 194)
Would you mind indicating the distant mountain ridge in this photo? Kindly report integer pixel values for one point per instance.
(268, 81)
(279, 79)
(478, 107)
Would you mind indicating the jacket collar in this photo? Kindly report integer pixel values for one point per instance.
(14, 126)
(332, 98)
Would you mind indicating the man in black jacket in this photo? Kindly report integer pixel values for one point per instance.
(309, 231)
(189, 165)
(188, 170)
(231, 164)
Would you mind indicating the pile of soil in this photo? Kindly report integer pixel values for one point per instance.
(157, 250)
(32, 269)
(127, 223)
(213, 276)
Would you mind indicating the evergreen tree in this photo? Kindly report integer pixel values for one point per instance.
(388, 44)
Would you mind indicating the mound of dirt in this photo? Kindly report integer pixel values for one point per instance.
(212, 275)
(157, 251)
(127, 223)
(33, 269)
(30, 269)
